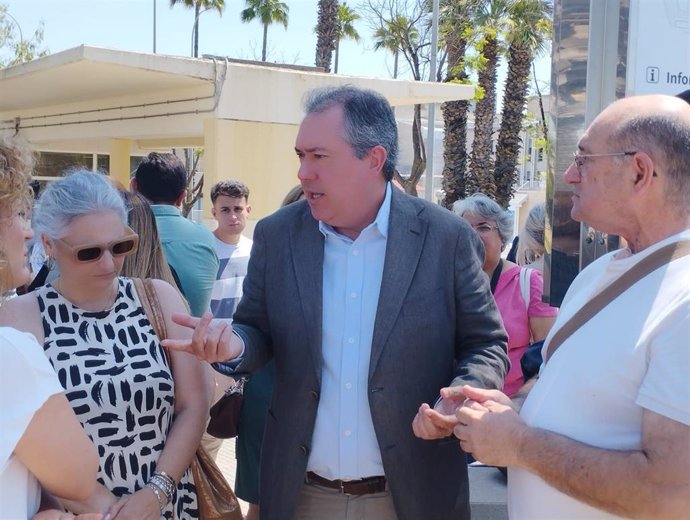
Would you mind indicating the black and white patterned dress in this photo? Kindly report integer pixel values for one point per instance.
(117, 379)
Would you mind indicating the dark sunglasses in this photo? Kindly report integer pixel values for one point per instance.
(123, 246)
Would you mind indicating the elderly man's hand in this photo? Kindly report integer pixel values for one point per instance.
(489, 428)
(213, 340)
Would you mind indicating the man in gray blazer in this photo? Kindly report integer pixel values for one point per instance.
(370, 301)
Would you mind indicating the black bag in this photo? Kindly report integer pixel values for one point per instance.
(531, 360)
(225, 414)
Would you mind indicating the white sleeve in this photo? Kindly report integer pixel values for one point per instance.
(665, 388)
(27, 380)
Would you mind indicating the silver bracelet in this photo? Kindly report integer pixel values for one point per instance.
(157, 491)
(165, 483)
(166, 477)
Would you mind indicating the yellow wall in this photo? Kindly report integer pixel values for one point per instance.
(262, 156)
(119, 160)
(533, 198)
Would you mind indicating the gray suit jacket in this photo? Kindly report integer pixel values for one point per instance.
(436, 324)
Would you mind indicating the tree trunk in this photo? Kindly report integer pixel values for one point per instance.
(337, 52)
(419, 153)
(455, 126)
(544, 127)
(195, 52)
(195, 181)
(454, 151)
(480, 176)
(395, 64)
(514, 101)
(263, 49)
(326, 32)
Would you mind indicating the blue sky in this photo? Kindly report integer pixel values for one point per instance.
(128, 25)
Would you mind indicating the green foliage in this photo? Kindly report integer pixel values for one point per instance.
(267, 11)
(475, 62)
(479, 93)
(346, 19)
(458, 81)
(199, 6)
(15, 48)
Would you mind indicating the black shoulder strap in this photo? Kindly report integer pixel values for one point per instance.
(40, 279)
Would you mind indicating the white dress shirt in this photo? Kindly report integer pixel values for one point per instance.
(344, 444)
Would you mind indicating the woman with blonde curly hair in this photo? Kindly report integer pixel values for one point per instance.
(42, 442)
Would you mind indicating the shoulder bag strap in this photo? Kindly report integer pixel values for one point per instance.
(152, 307)
(525, 281)
(644, 267)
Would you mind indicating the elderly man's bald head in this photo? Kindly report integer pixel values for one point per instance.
(659, 126)
(644, 106)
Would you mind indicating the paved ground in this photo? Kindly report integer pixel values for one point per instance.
(226, 462)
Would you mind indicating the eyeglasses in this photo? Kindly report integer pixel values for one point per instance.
(123, 246)
(483, 229)
(579, 158)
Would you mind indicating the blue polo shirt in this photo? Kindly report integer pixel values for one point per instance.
(190, 249)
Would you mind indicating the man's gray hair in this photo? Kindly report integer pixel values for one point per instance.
(78, 193)
(486, 208)
(667, 139)
(369, 120)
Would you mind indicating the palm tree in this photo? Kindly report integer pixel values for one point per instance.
(326, 33)
(199, 7)
(529, 29)
(346, 29)
(268, 12)
(386, 38)
(456, 20)
(491, 21)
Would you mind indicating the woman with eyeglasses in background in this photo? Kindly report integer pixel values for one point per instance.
(145, 423)
(41, 441)
(526, 322)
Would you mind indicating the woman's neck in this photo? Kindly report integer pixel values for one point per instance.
(92, 300)
(490, 267)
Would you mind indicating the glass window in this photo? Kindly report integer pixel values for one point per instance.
(52, 164)
(103, 163)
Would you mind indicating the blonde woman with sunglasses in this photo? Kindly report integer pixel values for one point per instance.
(145, 424)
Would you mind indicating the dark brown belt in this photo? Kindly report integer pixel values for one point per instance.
(363, 486)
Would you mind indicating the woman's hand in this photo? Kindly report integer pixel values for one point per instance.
(142, 505)
(100, 500)
(54, 514)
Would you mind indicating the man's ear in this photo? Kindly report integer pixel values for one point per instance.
(644, 170)
(180, 198)
(133, 184)
(377, 157)
(213, 211)
(249, 209)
